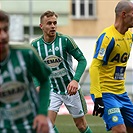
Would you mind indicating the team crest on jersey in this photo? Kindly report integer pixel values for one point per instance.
(53, 61)
(56, 48)
(12, 91)
(102, 52)
(17, 70)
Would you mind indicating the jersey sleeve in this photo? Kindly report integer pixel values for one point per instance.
(35, 80)
(94, 78)
(104, 46)
(41, 72)
(74, 50)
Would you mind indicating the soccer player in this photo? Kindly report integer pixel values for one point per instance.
(22, 109)
(107, 72)
(57, 50)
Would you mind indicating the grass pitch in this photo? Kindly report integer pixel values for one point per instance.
(65, 124)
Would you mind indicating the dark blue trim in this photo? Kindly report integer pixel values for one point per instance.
(98, 45)
(108, 51)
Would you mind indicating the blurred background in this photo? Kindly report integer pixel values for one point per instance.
(81, 19)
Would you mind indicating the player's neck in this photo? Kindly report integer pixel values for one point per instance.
(4, 55)
(49, 39)
(120, 28)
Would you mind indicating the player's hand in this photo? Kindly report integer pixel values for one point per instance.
(98, 107)
(72, 87)
(41, 124)
(38, 88)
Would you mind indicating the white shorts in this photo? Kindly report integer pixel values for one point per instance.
(75, 104)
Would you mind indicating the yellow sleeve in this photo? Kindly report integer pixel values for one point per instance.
(94, 78)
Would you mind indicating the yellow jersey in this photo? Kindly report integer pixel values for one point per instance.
(113, 51)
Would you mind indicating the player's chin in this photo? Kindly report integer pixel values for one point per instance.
(3, 46)
(52, 35)
(131, 26)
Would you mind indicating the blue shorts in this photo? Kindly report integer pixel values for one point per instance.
(118, 110)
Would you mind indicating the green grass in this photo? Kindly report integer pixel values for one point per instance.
(65, 124)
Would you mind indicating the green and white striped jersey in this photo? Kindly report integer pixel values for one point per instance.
(58, 56)
(19, 102)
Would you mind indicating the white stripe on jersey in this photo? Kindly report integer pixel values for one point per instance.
(69, 59)
(46, 49)
(1, 79)
(60, 45)
(11, 70)
(1, 123)
(39, 49)
(22, 64)
(53, 48)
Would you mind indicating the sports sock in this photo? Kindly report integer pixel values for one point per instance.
(88, 130)
(55, 129)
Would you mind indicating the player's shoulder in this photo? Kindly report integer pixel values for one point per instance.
(25, 49)
(129, 33)
(107, 33)
(21, 47)
(108, 30)
(63, 36)
(34, 41)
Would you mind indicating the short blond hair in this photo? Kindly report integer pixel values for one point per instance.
(48, 14)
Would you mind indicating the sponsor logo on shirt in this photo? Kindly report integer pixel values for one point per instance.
(53, 61)
(59, 73)
(118, 45)
(113, 110)
(120, 58)
(119, 73)
(50, 50)
(12, 91)
(16, 112)
(114, 118)
(102, 52)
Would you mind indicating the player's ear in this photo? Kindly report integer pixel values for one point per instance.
(124, 14)
(40, 26)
